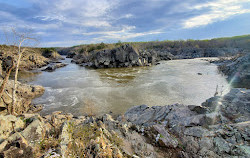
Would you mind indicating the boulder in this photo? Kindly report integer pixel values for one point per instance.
(70, 55)
(9, 124)
(20, 150)
(165, 138)
(24, 95)
(54, 66)
(33, 132)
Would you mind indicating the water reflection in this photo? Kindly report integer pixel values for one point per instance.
(26, 76)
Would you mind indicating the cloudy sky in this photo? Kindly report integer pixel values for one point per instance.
(73, 22)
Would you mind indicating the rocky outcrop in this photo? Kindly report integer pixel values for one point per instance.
(193, 52)
(24, 95)
(63, 135)
(52, 54)
(237, 69)
(124, 56)
(9, 123)
(53, 66)
(127, 55)
(70, 55)
(32, 58)
(218, 128)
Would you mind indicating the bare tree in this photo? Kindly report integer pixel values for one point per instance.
(19, 41)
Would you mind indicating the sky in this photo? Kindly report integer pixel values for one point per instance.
(73, 22)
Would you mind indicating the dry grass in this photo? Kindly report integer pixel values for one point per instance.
(91, 141)
(44, 145)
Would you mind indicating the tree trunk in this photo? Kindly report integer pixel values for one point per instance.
(15, 82)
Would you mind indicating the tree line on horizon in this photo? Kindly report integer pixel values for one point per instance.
(225, 42)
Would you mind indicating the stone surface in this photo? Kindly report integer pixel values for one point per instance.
(218, 128)
(33, 132)
(53, 66)
(165, 137)
(123, 56)
(24, 95)
(237, 69)
(9, 124)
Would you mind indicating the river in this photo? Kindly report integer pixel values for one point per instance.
(79, 90)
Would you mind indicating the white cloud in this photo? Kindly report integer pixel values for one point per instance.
(96, 23)
(124, 34)
(218, 10)
(125, 29)
(77, 12)
(66, 43)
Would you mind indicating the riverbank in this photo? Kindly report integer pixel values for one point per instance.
(129, 56)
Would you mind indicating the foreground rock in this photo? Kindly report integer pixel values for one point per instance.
(219, 128)
(24, 95)
(61, 135)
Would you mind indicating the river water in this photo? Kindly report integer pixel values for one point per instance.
(78, 90)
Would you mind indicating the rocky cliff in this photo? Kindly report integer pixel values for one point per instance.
(128, 56)
(237, 69)
(124, 56)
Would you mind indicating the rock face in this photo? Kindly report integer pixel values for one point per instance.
(124, 56)
(70, 55)
(33, 61)
(25, 94)
(237, 70)
(127, 55)
(192, 52)
(218, 128)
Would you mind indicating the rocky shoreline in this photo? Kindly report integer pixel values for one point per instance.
(236, 68)
(128, 56)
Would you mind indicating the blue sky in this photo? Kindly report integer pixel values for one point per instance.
(73, 22)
